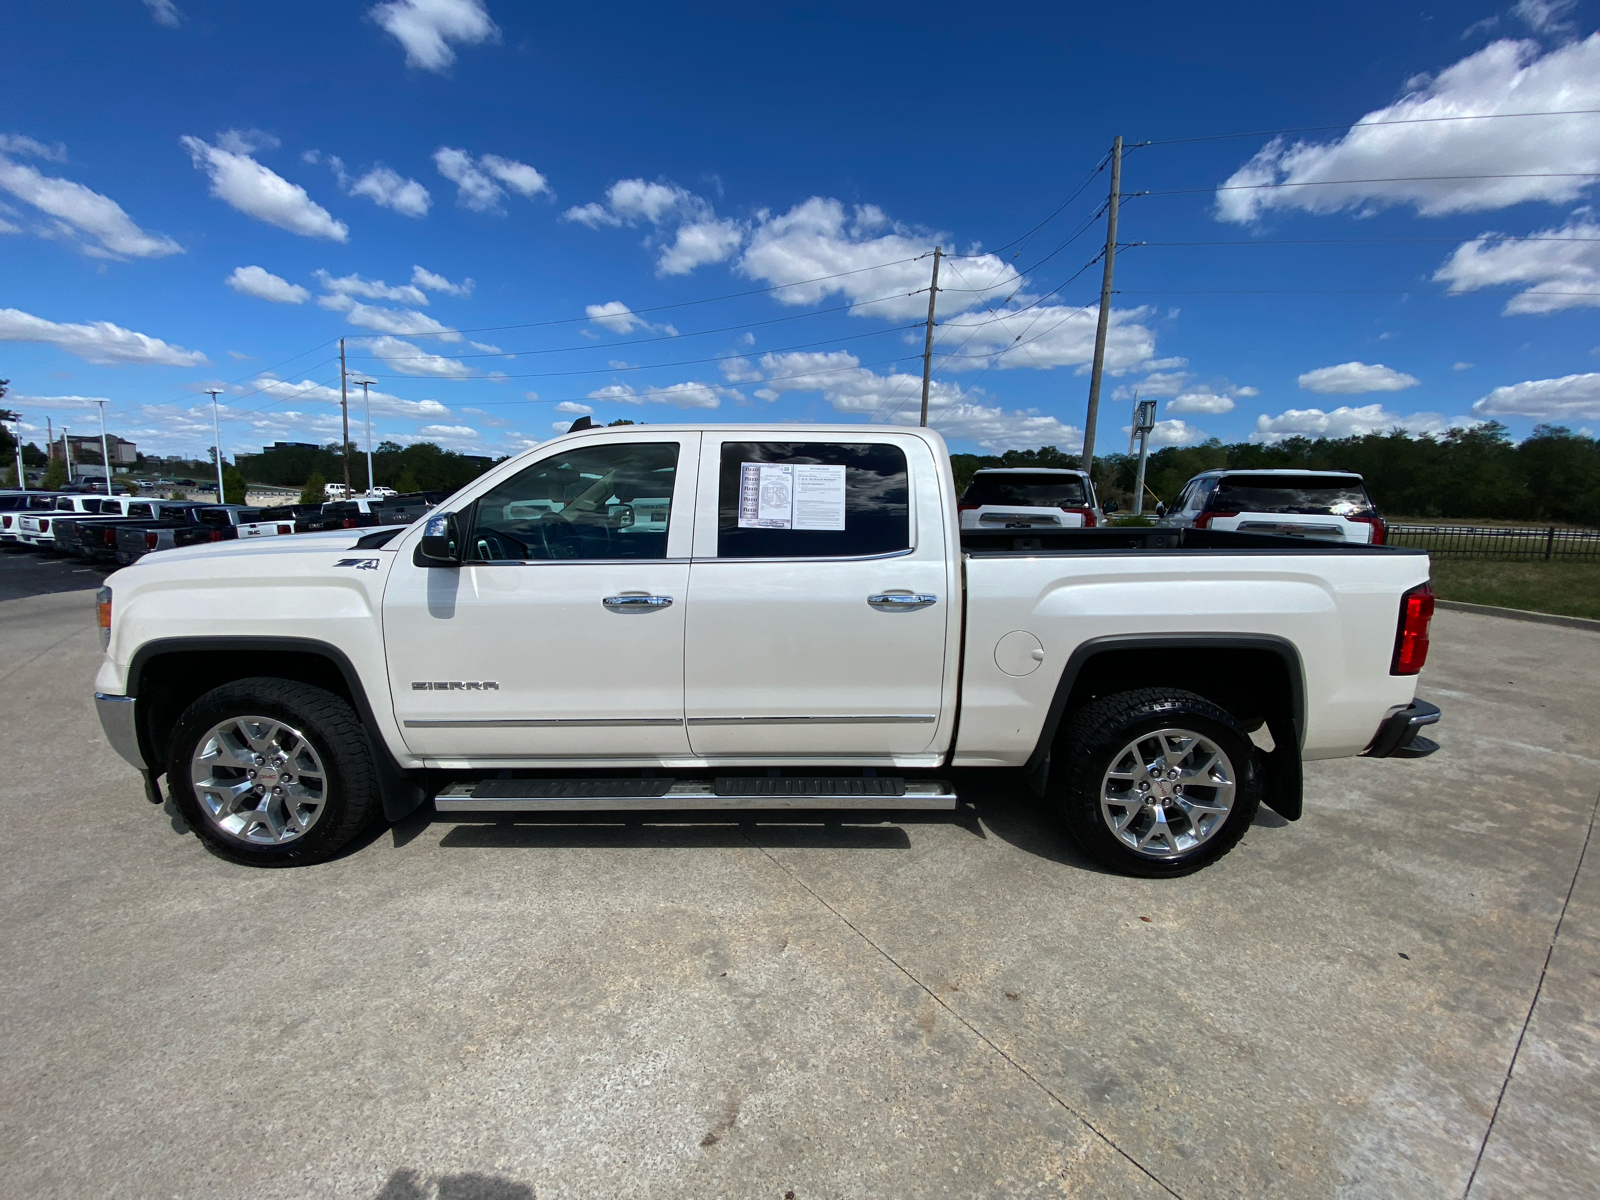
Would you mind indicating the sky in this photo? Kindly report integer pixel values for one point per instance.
(515, 215)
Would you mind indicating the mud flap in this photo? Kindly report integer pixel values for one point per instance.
(1283, 789)
(401, 794)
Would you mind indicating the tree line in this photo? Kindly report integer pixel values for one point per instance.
(1553, 475)
(419, 467)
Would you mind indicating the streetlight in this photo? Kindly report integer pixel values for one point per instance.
(366, 406)
(216, 424)
(105, 454)
(22, 477)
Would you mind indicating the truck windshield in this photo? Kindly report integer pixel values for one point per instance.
(1319, 494)
(1026, 491)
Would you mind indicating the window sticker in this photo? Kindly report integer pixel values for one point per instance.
(791, 496)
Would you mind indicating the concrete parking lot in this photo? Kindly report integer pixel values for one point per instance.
(1398, 996)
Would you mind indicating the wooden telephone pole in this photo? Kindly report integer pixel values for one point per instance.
(1105, 308)
(344, 407)
(927, 345)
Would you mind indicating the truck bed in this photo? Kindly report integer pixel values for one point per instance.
(1151, 538)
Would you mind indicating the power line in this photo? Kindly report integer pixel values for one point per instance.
(1323, 292)
(1364, 241)
(1217, 137)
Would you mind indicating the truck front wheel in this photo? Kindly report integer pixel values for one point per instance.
(1156, 782)
(270, 772)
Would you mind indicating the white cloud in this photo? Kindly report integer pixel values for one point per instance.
(478, 183)
(1156, 384)
(1545, 399)
(679, 395)
(1172, 433)
(239, 180)
(572, 406)
(701, 236)
(98, 342)
(248, 141)
(1545, 16)
(453, 432)
(264, 285)
(1564, 273)
(1355, 378)
(818, 238)
(1205, 401)
(1461, 366)
(307, 392)
(423, 278)
(1349, 422)
(408, 359)
(79, 212)
(1045, 336)
(371, 289)
(405, 322)
(1533, 158)
(615, 316)
(86, 403)
(390, 189)
(896, 399)
(487, 348)
(16, 143)
(164, 12)
(700, 243)
(426, 28)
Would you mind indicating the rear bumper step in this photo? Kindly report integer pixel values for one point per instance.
(666, 795)
(1400, 736)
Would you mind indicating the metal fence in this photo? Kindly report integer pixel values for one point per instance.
(1548, 544)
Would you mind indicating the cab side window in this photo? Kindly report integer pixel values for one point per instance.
(592, 502)
(812, 500)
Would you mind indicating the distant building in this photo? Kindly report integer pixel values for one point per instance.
(290, 446)
(86, 451)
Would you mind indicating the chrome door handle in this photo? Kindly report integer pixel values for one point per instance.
(901, 601)
(636, 603)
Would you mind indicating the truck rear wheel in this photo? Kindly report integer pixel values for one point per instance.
(1156, 782)
(270, 772)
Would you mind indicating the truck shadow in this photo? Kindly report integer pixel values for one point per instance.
(406, 1184)
(687, 830)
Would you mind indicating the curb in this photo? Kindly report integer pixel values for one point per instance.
(1519, 614)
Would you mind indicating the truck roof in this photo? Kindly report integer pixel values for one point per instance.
(1028, 471)
(1279, 471)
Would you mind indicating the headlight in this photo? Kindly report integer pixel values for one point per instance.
(102, 606)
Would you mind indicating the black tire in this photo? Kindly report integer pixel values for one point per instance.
(1098, 733)
(349, 804)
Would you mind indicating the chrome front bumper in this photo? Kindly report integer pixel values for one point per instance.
(117, 719)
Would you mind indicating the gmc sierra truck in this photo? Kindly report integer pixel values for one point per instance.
(753, 617)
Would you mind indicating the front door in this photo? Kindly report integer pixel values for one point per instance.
(561, 634)
(820, 617)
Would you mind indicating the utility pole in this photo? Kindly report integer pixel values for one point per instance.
(216, 424)
(344, 406)
(366, 407)
(1144, 421)
(22, 476)
(1105, 308)
(66, 452)
(927, 345)
(105, 454)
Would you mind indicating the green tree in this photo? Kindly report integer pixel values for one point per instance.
(55, 475)
(406, 482)
(233, 488)
(313, 492)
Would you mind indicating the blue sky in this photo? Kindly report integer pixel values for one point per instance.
(519, 213)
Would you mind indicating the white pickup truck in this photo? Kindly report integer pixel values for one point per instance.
(753, 617)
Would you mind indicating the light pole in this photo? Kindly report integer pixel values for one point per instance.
(366, 408)
(66, 453)
(22, 477)
(216, 425)
(105, 454)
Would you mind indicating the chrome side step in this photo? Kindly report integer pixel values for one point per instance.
(667, 795)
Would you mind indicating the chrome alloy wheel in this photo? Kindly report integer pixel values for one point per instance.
(259, 780)
(1167, 793)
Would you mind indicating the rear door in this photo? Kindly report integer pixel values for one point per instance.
(820, 606)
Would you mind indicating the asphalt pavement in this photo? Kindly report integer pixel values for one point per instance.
(1397, 996)
(26, 572)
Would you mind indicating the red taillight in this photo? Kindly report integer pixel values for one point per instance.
(1203, 521)
(109, 538)
(216, 535)
(1086, 513)
(349, 522)
(1411, 639)
(282, 529)
(150, 541)
(44, 526)
(1380, 528)
(5, 522)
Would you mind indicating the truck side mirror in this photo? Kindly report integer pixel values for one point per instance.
(440, 543)
(1161, 509)
(1109, 507)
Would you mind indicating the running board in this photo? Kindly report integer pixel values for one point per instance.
(666, 795)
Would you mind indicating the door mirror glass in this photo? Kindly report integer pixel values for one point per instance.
(1109, 507)
(1161, 509)
(440, 542)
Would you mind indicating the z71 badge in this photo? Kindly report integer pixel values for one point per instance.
(457, 686)
(360, 564)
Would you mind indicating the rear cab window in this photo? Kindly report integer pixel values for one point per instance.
(1319, 495)
(1026, 491)
(812, 500)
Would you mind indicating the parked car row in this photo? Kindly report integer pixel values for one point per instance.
(126, 528)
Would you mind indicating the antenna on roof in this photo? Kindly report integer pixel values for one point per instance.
(580, 423)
